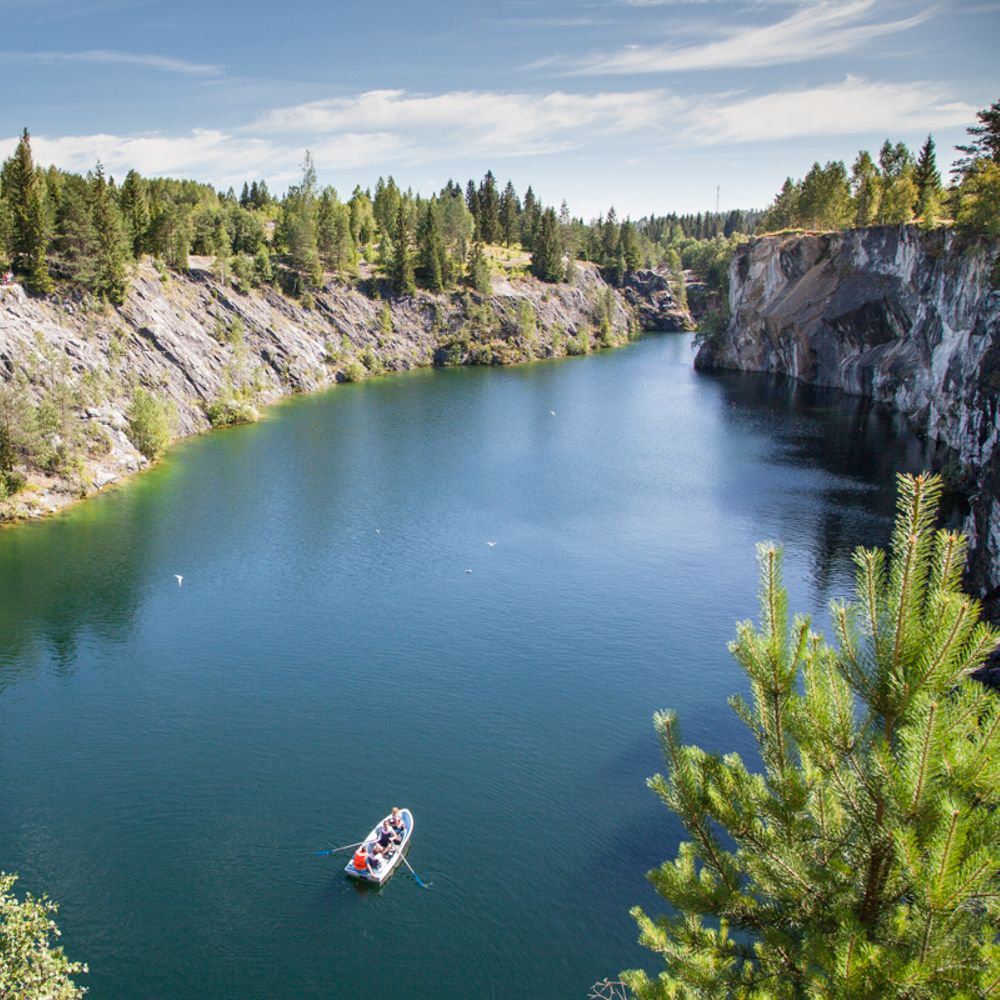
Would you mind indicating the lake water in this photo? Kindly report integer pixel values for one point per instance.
(172, 757)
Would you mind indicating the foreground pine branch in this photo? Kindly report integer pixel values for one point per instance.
(863, 861)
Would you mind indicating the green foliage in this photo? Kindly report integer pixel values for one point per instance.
(979, 199)
(228, 409)
(478, 275)
(547, 256)
(29, 229)
(401, 266)
(580, 343)
(152, 422)
(32, 966)
(353, 371)
(111, 247)
(862, 862)
(385, 319)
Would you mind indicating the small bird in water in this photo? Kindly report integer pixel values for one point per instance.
(179, 579)
(491, 544)
(553, 412)
(378, 531)
(468, 571)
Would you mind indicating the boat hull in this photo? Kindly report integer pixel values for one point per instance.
(392, 862)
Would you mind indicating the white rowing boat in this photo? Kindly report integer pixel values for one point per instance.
(390, 860)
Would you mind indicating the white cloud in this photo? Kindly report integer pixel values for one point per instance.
(853, 107)
(814, 30)
(164, 63)
(379, 129)
(489, 122)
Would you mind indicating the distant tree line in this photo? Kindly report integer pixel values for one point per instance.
(60, 229)
(899, 187)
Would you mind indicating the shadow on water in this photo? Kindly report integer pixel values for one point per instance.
(858, 443)
(75, 574)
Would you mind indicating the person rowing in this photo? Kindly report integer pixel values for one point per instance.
(386, 838)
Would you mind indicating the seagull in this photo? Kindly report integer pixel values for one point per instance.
(491, 544)
(179, 579)
(378, 531)
(468, 571)
(553, 412)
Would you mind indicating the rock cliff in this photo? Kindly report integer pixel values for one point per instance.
(907, 318)
(194, 341)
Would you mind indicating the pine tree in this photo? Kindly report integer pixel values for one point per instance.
(985, 140)
(489, 209)
(430, 251)
(478, 273)
(509, 209)
(111, 249)
(401, 255)
(135, 209)
(862, 863)
(530, 217)
(928, 183)
(629, 246)
(24, 192)
(547, 256)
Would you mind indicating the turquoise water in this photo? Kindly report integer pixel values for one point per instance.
(171, 757)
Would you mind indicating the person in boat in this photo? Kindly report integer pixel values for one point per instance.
(396, 821)
(385, 838)
(364, 860)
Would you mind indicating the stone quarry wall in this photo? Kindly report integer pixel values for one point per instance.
(908, 318)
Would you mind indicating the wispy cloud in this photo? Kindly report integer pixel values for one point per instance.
(852, 107)
(384, 128)
(165, 64)
(818, 29)
(503, 124)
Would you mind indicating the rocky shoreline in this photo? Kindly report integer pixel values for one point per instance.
(194, 340)
(904, 317)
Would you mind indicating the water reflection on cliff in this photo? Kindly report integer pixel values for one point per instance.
(856, 442)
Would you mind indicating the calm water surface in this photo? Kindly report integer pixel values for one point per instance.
(171, 757)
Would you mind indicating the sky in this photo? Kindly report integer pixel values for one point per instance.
(648, 105)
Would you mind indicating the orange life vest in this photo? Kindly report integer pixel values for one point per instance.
(361, 859)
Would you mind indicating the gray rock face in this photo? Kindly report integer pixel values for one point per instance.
(191, 339)
(650, 294)
(904, 317)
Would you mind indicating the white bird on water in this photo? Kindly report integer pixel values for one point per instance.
(491, 544)
(553, 412)
(179, 579)
(468, 571)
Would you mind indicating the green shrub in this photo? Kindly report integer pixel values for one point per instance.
(227, 409)
(151, 423)
(354, 371)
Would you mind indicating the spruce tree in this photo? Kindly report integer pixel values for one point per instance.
(430, 251)
(401, 273)
(862, 862)
(24, 192)
(530, 216)
(135, 209)
(111, 249)
(489, 210)
(478, 273)
(509, 209)
(928, 183)
(547, 256)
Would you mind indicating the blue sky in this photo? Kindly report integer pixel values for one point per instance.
(645, 104)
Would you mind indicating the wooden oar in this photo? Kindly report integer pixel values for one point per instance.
(333, 850)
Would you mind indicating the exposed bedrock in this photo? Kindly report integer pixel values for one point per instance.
(907, 318)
